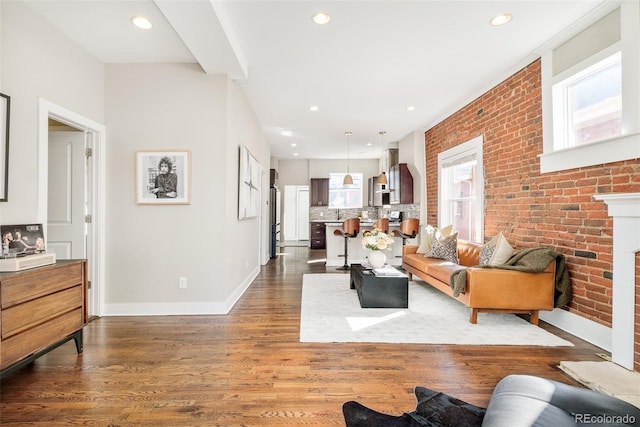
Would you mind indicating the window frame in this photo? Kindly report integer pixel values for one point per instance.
(563, 137)
(474, 148)
(608, 150)
(357, 176)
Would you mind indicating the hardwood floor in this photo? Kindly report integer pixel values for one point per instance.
(248, 368)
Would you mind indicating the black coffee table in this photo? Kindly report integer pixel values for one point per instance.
(379, 291)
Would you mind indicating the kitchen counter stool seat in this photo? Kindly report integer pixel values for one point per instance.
(409, 229)
(382, 224)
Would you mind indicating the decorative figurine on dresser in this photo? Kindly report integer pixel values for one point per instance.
(43, 303)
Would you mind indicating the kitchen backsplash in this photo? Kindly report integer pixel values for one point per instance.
(323, 213)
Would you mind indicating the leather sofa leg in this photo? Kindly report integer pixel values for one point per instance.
(473, 317)
(534, 317)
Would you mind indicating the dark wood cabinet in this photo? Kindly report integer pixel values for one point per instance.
(318, 235)
(400, 184)
(319, 192)
(376, 196)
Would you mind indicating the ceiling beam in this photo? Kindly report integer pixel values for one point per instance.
(207, 33)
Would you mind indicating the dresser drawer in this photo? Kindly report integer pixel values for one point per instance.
(42, 336)
(18, 318)
(36, 283)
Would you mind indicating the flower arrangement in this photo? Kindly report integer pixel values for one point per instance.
(377, 240)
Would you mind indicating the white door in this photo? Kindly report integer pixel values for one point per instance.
(67, 196)
(303, 213)
(289, 228)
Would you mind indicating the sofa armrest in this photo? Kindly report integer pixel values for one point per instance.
(409, 249)
(499, 288)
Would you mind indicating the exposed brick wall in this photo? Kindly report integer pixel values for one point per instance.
(552, 209)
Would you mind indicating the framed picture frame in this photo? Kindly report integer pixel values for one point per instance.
(22, 239)
(5, 108)
(163, 177)
(248, 185)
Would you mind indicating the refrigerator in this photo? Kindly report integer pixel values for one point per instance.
(274, 219)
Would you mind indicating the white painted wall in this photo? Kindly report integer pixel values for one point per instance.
(39, 61)
(177, 106)
(144, 106)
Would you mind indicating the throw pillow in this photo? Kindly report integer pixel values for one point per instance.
(446, 231)
(426, 238)
(430, 233)
(496, 251)
(445, 248)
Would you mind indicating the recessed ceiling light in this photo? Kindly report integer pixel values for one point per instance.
(321, 18)
(293, 144)
(313, 108)
(286, 133)
(368, 144)
(411, 108)
(141, 22)
(295, 154)
(501, 19)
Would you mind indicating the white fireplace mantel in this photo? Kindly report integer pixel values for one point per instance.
(625, 210)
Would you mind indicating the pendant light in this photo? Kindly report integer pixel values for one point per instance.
(348, 179)
(382, 178)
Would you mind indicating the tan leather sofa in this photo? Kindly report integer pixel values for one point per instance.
(490, 290)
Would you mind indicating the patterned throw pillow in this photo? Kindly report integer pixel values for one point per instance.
(445, 248)
(496, 251)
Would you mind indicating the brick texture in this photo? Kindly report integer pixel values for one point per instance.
(532, 209)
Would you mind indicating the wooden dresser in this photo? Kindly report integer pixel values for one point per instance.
(41, 309)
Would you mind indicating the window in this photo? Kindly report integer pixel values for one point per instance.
(345, 197)
(587, 106)
(590, 92)
(461, 192)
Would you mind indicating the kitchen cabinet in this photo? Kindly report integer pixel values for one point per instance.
(41, 308)
(376, 196)
(400, 184)
(319, 192)
(318, 235)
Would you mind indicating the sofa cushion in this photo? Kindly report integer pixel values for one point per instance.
(468, 253)
(442, 270)
(445, 248)
(496, 251)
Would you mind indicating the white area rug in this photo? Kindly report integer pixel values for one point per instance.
(331, 313)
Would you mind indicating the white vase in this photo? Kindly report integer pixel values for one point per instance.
(377, 259)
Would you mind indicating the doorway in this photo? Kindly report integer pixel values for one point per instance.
(296, 213)
(71, 192)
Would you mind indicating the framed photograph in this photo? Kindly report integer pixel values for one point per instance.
(248, 185)
(23, 239)
(163, 177)
(5, 107)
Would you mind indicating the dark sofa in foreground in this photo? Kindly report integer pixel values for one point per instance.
(517, 401)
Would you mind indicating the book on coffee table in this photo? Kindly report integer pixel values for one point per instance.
(387, 270)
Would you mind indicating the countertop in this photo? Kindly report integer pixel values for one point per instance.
(364, 223)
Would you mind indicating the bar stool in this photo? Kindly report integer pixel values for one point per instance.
(382, 224)
(409, 229)
(350, 229)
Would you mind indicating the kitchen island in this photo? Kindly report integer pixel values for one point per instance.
(357, 253)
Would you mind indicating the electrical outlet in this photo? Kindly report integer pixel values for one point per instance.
(183, 283)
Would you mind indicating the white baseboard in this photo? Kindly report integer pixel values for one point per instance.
(181, 308)
(585, 329)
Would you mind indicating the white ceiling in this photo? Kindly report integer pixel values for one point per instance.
(362, 69)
